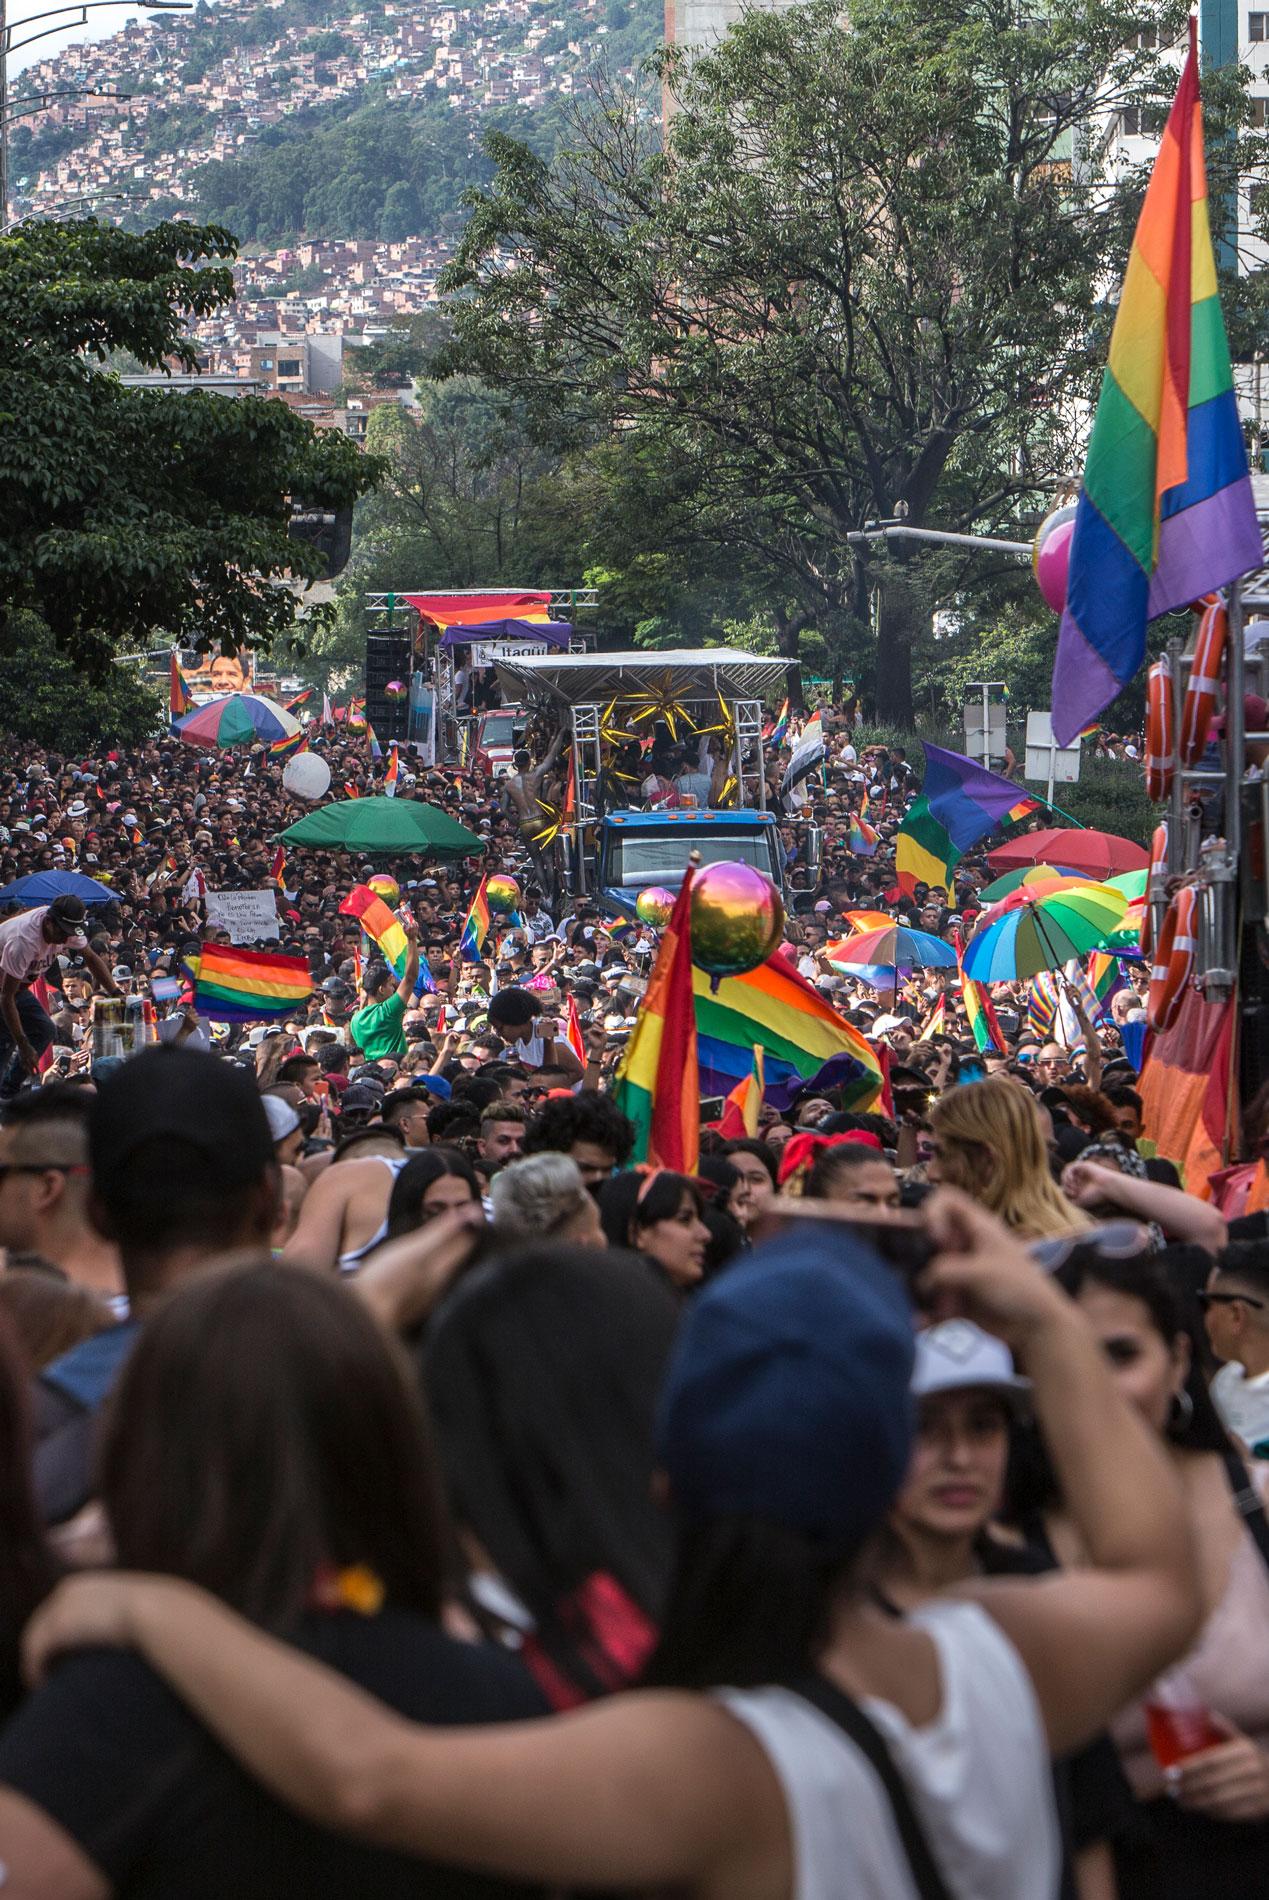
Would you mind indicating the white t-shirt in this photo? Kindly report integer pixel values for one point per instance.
(24, 950)
(1243, 1403)
(978, 1775)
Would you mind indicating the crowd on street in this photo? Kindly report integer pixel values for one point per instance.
(405, 1490)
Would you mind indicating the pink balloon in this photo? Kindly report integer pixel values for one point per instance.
(1052, 564)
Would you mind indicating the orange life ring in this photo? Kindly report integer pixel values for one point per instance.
(1205, 673)
(1160, 730)
(1174, 961)
(1158, 869)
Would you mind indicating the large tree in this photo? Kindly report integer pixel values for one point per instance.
(130, 513)
(862, 273)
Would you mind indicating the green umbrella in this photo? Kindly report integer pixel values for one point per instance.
(388, 825)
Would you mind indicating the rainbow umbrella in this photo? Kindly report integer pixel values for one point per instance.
(1015, 880)
(1025, 893)
(878, 957)
(1044, 933)
(238, 719)
(1131, 883)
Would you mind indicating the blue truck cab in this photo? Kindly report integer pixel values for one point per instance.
(637, 849)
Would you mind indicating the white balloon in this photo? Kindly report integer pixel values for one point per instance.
(306, 775)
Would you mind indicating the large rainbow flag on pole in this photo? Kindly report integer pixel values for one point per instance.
(1165, 511)
(657, 1084)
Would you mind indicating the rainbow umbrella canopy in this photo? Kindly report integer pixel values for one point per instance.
(238, 719)
(1015, 880)
(879, 957)
(1026, 893)
(1044, 933)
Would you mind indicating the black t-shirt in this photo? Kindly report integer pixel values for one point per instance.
(114, 1757)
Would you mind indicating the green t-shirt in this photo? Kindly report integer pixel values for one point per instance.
(377, 1029)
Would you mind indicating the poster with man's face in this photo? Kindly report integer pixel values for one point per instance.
(218, 672)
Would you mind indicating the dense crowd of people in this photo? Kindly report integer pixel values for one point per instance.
(402, 1492)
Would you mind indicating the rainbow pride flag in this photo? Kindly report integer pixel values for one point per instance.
(249, 986)
(386, 931)
(657, 1082)
(475, 926)
(779, 726)
(1105, 978)
(923, 852)
(288, 747)
(1165, 512)
(802, 1037)
(863, 839)
(392, 774)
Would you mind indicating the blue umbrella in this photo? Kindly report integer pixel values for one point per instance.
(41, 887)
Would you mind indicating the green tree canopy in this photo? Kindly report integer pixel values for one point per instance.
(46, 701)
(126, 511)
(863, 274)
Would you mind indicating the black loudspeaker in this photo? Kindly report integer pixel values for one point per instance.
(387, 660)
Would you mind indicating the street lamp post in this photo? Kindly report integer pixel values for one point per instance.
(64, 18)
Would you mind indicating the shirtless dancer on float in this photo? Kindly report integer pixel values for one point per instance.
(523, 789)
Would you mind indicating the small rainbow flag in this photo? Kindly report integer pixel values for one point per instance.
(392, 774)
(476, 926)
(1105, 978)
(863, 839)
(300, 699)
(779, 726)
(937, 1025)
(573, 1032)
(249, 986)
(288, 747)
(277, 870)
(350, 790)
(1023, 809)
(376, 750)
(741, 1109)
(1166, 512)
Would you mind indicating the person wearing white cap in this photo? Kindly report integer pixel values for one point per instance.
(966, 1391)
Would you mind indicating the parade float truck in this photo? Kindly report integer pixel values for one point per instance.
(612, 845)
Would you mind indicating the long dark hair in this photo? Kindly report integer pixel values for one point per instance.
(416, 1177)
(542, 1372)
(263, 1428)
(750, 1603)
(633, 1200)
(28, 1568)
(1141, 1277)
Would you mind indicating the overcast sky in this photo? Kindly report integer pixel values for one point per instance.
(102, 21)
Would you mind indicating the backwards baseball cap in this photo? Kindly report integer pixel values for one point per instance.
(957, 1356)
(787, 1397)
(280, 1115)
(187, 1096)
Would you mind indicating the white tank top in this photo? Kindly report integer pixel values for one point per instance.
(978, 1775)
(349, 1262)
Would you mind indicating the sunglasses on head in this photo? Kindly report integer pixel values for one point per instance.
(1206, 1299)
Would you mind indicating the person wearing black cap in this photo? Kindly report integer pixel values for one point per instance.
(835, 1750)
(28, 944)
(182, 1169)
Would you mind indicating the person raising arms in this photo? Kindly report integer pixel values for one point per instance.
(785, 1431)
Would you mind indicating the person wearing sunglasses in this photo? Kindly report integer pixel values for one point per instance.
(1235, 1305)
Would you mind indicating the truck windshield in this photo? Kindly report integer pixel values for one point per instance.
(661, 857)
(498, 729)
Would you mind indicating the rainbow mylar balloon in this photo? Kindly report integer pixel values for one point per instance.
(737, 919)
(503, 894)
(654, 905)
(385, 887)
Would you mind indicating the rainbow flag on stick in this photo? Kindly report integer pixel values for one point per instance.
(980, 1013)
(967, 799)
(249, 986)
(802, 1037)
(1105, 978)
(1165, 512)
(657, 1083)
(475, 927)
(392, 774)
(386, 931)
(740, 1111)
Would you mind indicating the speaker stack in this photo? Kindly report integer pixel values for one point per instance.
(387, 659)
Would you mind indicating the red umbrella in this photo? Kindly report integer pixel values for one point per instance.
(1098, 854)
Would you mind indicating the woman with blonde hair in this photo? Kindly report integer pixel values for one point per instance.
(989, 1141)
